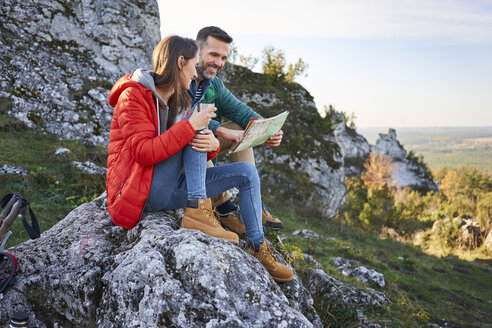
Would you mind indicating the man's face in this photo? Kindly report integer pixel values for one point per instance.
(213, 55)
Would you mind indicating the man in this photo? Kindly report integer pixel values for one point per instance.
(208, 88)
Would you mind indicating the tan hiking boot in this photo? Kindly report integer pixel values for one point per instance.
(203, 218)
(265, 255)
(232, 221)
(269, 220)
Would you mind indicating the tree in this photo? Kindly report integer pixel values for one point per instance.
(248, 61)
(274, 63)
(449, 183)
(295, 70)
(378, 171)
(274, 66)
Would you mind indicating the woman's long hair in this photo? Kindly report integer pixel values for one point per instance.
(166, 72)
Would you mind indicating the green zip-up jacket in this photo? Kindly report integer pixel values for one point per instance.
(228, 106)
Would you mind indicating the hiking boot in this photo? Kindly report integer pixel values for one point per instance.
(232, 221)
(199, 215)
(265, 255)
(269, 220)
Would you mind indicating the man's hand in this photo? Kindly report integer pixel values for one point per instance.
(228, 134)
(274, 141)
(205, 142)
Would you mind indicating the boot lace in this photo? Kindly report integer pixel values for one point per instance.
(210, 214)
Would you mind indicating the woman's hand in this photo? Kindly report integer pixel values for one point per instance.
(205, 142)
(200, 120)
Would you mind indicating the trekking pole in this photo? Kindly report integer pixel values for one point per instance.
(7, 222)
(7, 209)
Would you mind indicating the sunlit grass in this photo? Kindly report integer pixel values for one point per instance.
(422, 288)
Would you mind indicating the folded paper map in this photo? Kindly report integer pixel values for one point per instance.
(259, 130)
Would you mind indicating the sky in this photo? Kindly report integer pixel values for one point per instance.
(405, 63)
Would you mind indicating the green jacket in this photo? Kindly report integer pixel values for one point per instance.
(228, 106)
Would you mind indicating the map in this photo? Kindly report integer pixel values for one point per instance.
(259, 130)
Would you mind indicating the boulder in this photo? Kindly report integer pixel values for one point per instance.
(87, 272)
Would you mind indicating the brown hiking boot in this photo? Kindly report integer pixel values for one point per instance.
(202, 218)
(265, 255)
(232, 221)
(269, 220)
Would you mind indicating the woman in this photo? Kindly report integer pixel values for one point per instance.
(154, 138)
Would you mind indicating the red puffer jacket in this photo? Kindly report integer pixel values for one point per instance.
(135, 147)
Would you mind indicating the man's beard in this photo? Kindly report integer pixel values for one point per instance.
(201, 69)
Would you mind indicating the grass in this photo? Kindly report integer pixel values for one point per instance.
(422, 288)
(53, 188)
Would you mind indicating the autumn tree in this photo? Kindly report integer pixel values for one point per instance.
(378, 171)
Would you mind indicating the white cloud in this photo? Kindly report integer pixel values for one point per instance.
(448, 20)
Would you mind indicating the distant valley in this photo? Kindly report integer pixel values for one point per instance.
(444, 146)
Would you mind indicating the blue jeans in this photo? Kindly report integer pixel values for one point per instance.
(170, 186)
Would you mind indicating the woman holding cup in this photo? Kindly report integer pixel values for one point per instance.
(158, 152)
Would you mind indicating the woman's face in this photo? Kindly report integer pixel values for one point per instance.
(188, 72)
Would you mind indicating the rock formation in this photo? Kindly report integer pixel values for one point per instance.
(58, 60)
(87, 272)
(408, 171)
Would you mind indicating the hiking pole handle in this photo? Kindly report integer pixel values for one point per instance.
(10, 218)
(6, 209)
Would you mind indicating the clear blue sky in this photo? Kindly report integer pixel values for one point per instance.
(392, 63)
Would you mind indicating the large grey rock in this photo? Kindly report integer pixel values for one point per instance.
(59, 59)
(87, 272)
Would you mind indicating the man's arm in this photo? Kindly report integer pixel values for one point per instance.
(231, 107)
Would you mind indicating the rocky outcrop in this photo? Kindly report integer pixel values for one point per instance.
(408, 172)
(58, 60)
(87, 272)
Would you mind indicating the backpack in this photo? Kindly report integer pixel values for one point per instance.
(13, 205)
